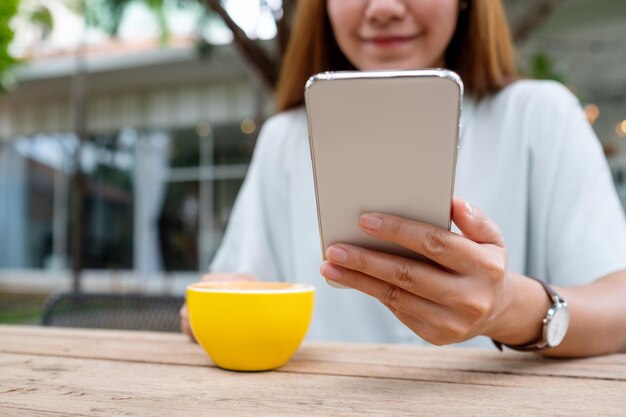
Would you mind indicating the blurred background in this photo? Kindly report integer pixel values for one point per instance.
(126, 129)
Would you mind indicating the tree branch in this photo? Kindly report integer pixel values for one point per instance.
(533, 18)
(258, 57)
(283, 25)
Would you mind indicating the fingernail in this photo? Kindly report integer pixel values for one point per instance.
(337, 254)
(330, 271)
(371, 221)
(469, 209)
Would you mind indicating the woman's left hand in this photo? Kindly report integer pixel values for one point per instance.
(459, 298)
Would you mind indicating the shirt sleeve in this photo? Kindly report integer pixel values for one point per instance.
(581, 217)
(248, 245)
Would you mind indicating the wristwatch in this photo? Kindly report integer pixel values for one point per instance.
(555, 324)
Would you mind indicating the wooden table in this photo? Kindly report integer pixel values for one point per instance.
(72, 372)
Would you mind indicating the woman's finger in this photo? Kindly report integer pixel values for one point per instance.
(422, 279)
(446, 248)
(474, 224)
(388, 294)
(185, 327)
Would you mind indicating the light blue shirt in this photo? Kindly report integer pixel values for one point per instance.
(528, 158)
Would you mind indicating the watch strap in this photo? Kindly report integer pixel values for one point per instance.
(540, 344)
(554, 296)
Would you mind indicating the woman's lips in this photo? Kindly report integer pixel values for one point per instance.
(389, 41)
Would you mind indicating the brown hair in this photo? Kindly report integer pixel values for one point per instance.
(481, 50)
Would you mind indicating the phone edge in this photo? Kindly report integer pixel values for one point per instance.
(330, 75)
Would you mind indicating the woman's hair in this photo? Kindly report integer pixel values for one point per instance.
(481, 50)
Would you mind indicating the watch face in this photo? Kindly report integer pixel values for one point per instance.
(557, 327)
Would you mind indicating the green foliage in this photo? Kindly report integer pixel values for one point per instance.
(157, 7)
(542, 68)
(42, 17)
(108, 14)
(105, 14)
(8, 9)
(21, 308)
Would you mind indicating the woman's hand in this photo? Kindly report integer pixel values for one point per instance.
(215, 276)
(461, 297)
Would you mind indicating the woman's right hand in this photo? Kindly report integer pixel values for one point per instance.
(215, 276)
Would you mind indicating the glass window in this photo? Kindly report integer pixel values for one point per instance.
(107, 165)
(151, 200)
(198, 201)
(178, 227)
(31, 170)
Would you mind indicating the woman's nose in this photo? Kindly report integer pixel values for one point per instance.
(385, 11)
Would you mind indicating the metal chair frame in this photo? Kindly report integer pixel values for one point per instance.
(114, 311)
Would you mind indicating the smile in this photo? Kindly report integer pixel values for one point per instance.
(390, 41)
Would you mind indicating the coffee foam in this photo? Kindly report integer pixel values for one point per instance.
(250, 287)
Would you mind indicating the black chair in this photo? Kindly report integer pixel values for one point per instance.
(114, 311)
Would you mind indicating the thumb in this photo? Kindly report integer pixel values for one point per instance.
(474, 224)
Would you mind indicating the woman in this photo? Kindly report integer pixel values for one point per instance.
(528, 159)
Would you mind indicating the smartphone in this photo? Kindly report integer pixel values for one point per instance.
(382, 141)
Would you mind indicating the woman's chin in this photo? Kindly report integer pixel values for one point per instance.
(393, 65)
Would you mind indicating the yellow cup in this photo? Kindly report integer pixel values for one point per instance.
(250, 326)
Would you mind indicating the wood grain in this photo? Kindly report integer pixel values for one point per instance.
(176, 349)
(78, 372)
(104, 388)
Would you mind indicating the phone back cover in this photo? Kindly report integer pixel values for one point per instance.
(382, 143)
